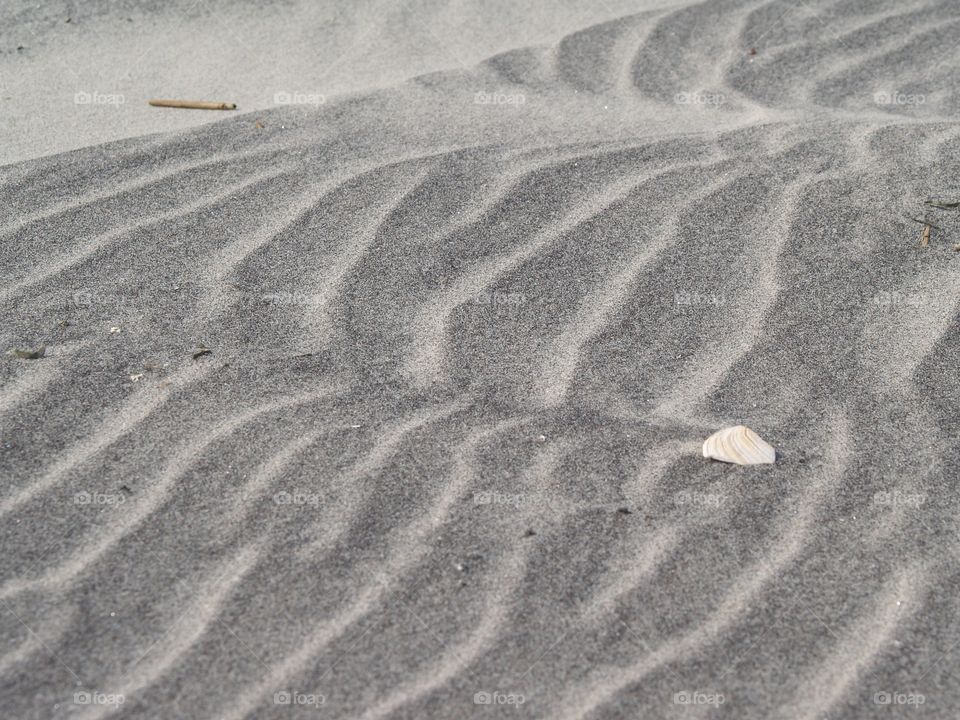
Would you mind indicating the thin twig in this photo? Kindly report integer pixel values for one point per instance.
(926, 222)
(194, 104)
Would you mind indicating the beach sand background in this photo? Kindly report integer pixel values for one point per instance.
(469, 320)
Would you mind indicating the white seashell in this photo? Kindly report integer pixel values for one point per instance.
(738, 444)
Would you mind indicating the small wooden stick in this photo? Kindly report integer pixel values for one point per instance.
(925, 236)
(194, 104)
(926, 222)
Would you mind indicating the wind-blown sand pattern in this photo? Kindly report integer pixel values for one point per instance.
(469, 331)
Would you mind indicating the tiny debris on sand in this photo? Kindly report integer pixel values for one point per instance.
(29, 354)
(943, 204)
(201, 351)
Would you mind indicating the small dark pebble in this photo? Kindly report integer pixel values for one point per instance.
(753, 51)
(530, 532)
(625, 511)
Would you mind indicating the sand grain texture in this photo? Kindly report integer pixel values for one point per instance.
(470, 323)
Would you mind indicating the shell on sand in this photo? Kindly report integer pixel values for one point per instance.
(738, 444)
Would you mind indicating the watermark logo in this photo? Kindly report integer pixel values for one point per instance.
(498, 698)
(898, 698)
(85, 697)
(95, 498)
(513, 501)
(897, 498)
(499, 298)
(291, 298)
(98, 98)
(698, 697)
(690, 298)
(291, 697)
(298, 98)
(496, 498)
(898, 98)
(898, 299)
(699, 98)
(499, 98)
(296, 497)
(88, 298)
(697, 499)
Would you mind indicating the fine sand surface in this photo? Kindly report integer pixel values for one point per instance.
(469, 321)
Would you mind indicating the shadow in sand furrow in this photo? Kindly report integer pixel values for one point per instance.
(22, 386)
(686, 49)
(494, 524)
(148, 187)
(499, 587)
(327, 293)
(682, 300)
(817, 54)
(47, 181)
(191, 501)
(154, 491)
(833, 301)
(359, 604)
(905, 325)
(25, 647)
(602, 685)
(461, 355)
(88, 249)
(927, 36)
(605, 288)
(148, 635)
(465, 314)
(120, 422)
(354, 489)
(196, 617)
(853, 654)
(444, 278)
(749, 298)
(343, 460)
(599, 58)
(492, 230)
(371, 579)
